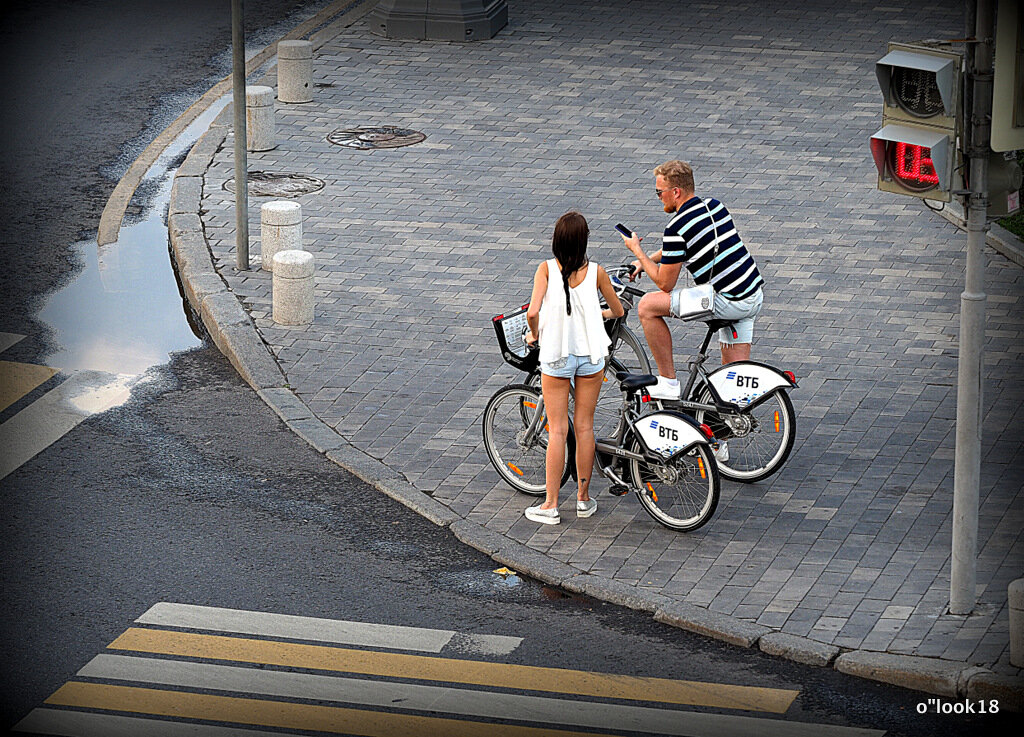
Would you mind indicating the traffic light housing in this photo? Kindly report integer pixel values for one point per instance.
(915, 151)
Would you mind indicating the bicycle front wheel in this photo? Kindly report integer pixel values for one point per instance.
(759, 439)
(518, 458)
(681, 494)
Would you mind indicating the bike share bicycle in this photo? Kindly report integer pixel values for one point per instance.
(664, 455)
(746, 404)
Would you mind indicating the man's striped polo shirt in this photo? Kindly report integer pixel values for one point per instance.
(690, 239)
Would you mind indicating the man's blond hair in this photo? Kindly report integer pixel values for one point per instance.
(677, 173)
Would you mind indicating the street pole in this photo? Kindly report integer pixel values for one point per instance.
(241, 160)
(967, 471)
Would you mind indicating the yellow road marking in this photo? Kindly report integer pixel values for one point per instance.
(18, 379)
(472, 672)
(281, 714)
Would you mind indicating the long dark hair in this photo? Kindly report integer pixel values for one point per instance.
(569, 246)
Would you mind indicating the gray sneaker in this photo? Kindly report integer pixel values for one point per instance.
(544, 516)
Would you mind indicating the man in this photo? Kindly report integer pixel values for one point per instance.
(689, 240)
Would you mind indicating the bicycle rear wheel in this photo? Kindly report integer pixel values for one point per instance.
(519, 460)
(759, 439)
(681, 494)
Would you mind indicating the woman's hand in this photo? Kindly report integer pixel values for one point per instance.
(529, 338)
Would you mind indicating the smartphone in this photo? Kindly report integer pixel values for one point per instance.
(624, 230)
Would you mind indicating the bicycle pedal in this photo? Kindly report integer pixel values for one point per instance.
(618, 489)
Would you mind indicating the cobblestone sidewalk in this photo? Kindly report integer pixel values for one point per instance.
(848, 547)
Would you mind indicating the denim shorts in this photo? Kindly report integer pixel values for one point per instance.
(743, 311)
(572, 366)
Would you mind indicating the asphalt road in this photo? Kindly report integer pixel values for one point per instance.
(194, 491)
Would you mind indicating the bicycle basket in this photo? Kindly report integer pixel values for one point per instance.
(509, 328)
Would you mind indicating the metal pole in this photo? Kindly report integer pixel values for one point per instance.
(967, 473)
(241, 160)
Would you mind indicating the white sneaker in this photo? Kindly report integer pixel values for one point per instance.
(587, 508)
(665, 389)
(544, 516)
(722, 452)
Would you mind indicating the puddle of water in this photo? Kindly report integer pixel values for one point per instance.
(123, 313)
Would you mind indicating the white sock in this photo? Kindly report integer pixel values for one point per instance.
(671, 382)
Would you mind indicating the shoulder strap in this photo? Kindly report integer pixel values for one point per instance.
(714, 256)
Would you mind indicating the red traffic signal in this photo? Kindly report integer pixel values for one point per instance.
(913, 161)
(915, 150)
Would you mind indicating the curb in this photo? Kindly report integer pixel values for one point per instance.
(998, 237)
(235, 334)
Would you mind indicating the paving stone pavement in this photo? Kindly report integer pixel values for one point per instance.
(570, 108)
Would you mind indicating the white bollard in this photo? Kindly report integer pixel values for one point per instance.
(295, 71)
(1016, 600)
(293, 288)
(280, 229)
(261, 133)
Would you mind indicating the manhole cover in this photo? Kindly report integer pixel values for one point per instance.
(382, 136)
(268, 184)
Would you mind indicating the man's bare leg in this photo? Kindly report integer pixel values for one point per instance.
(653, 309)
(735, 352)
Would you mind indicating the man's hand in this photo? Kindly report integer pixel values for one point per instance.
(638, 270)
(633, 244)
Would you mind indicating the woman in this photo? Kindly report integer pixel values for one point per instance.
(565, 314)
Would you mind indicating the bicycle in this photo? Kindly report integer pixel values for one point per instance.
(747, 405)
(665, 455)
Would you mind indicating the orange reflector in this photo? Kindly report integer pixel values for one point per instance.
(700, 465)
(776, 420)
(514, 468)
(531, 405)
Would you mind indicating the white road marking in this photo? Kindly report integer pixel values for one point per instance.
(86, 724)
(332, 631)
(8, 339)
(56, 413)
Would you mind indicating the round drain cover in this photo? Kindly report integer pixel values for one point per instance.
(268, 184)
(382, 136)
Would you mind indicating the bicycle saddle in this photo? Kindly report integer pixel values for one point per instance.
(719, 324)
(633, 382)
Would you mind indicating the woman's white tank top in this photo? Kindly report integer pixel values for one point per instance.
(582, 333)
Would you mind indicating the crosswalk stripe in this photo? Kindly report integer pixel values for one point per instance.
(283, 714)
(56, 413)
(446, 700)
(334, 631)
(470, 672)
(18, 379)
(9, 339)
(88, 724)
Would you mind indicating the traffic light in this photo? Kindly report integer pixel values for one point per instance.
(915, 151)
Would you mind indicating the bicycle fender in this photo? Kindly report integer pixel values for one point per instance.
(744, 382)
(668, 433)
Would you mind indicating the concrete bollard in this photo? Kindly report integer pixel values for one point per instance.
(293, 288)
(280, 229)
(295, 71)
(1016, 597)
(261, 133)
